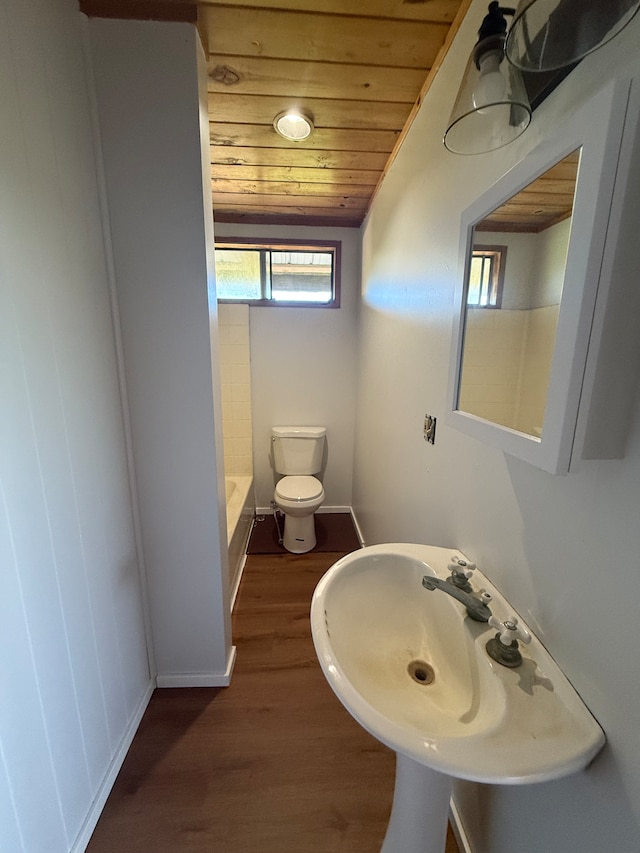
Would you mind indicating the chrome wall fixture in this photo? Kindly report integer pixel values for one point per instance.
(492, 107)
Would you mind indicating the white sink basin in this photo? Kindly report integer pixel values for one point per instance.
(372, 621)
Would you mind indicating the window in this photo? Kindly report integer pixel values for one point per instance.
(486, 275)
(273, 273)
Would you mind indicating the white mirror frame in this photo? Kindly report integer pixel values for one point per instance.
(596, 128)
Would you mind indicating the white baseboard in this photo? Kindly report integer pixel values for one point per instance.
(84, 836)
(357, 527)
(268, 510)
(200, 679)
(236, 585)
(458, 829)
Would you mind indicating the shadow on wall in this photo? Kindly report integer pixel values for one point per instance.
(548, 811)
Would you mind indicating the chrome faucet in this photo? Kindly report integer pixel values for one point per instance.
(477, 608)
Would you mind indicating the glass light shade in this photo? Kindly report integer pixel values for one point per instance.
(293, 125)
(550, 34)
(492, 107)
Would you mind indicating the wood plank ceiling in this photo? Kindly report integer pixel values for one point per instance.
(360, 69)
(356, 67)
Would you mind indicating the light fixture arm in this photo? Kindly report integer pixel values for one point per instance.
(493, 32)
(494, 22)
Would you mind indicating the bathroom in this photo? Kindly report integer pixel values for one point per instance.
(317, 386)
(563, 548)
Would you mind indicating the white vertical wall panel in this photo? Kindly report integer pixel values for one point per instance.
(24, 741)
(8, 818)
(147, 86)
(73, 666)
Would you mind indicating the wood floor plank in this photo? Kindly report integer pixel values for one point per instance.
(271, 763)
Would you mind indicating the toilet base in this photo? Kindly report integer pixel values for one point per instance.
(299, 533)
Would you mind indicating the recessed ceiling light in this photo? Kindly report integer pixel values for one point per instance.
(293, 125)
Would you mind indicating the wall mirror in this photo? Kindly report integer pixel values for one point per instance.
(531, 254)
(513, 287)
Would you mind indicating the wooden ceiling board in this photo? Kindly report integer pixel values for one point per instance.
(289, 173)
(343, 214)
(299, 79)
(245, 218)
(288, 201)
(231, 107)
(525, 225)
(222, 155)
(267, 214)
(437, 11)
(312, 38)
(322, 139)
(290, 188)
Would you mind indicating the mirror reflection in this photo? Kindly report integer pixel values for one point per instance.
(515, 276)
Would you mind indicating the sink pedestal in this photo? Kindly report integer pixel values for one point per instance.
(420, 811)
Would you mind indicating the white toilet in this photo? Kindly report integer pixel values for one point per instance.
(297, 453)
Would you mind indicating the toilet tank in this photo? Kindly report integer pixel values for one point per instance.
(297, 450)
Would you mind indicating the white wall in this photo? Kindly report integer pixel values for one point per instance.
(551, 254)
(74, 672)
(303, 367)
(151, 90)
(563, 549)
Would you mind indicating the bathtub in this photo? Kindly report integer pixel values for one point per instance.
(240, 512)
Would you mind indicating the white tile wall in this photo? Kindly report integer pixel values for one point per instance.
(491, 369)
(507, 364)
(235, 365)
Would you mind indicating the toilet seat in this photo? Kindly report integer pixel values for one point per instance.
(296, 488)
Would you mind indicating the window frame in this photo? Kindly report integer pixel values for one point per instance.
(333, 247)
(497, 272)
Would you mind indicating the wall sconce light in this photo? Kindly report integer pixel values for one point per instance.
(550, 34)
(293, 125)
(492, 107)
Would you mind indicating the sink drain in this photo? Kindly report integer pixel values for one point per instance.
(421, 672)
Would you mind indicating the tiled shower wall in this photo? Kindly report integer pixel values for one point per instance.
(235, 364)
(507, 365)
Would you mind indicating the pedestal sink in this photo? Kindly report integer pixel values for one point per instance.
(411, 667)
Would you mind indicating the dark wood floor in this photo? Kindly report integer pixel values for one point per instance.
(271, 764)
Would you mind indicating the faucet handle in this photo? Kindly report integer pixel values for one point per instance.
(461, 571)
(464, 567)
(509, 631)
(484, 596)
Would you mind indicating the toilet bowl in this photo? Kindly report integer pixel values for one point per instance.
(297, 454)
(299, 497)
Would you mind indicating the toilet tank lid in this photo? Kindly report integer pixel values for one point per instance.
(298, 431)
